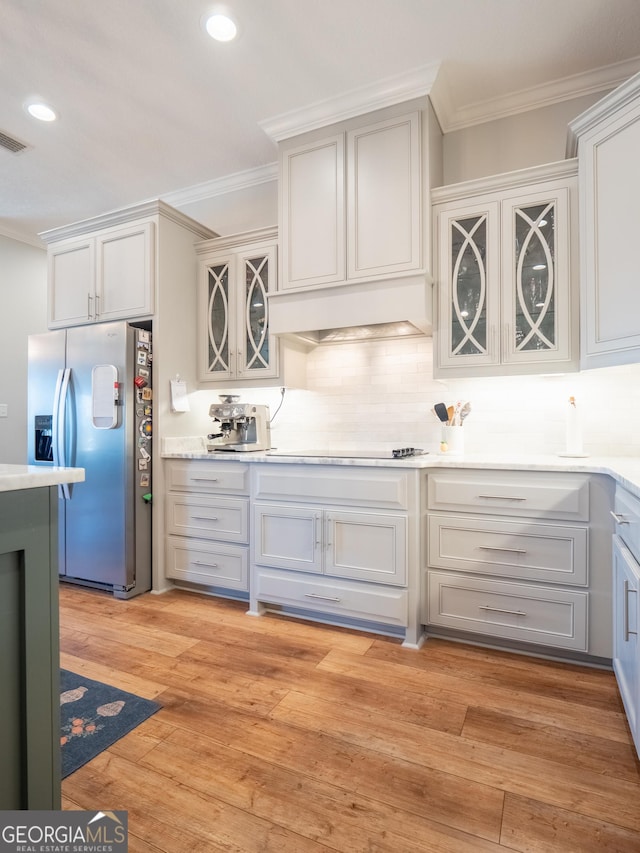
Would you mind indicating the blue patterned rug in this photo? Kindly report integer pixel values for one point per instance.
(93, 716)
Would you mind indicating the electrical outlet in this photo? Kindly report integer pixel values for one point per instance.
(4, 410)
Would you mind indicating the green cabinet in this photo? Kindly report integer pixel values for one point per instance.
(29, 650)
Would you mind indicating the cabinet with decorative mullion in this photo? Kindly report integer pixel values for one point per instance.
(235, 277)
(506, 290)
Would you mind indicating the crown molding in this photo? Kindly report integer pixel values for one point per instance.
(608, 106)
(562, 169)
(144, 210)
(383, 93)
(220, 186)
(234, 241)
(566, 88)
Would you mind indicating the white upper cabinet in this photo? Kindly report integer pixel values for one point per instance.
(607, 141)
(236, 274)
(105, 276)
(350, 201)
(107, 268)
(233, 337)
(506, 295)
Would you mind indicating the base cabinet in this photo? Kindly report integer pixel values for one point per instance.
(207, 524)
(335, 541)
(509, 557)
(626, 605)
(626, 643)
(29, 651)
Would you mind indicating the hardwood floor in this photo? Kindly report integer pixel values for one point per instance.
(290, 737)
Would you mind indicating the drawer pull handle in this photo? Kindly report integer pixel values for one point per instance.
(208, 565)
(500, 610)
(205, 479)
(625, 615)
(619, 519)
(501, 498)
(322, 597)
(497, 548)
(205, 518)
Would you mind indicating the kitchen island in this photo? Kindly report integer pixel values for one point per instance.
(29, 646)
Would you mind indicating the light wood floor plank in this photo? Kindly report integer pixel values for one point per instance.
(277, 736)
(533, 827)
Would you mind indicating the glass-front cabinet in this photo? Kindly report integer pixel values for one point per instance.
(504, 283)
(234, 342)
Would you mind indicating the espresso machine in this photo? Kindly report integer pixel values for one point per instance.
(239, 426)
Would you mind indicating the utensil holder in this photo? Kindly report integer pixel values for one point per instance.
(452, 440)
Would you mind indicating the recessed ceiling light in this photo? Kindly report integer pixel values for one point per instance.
(42, 112)
(221, 27)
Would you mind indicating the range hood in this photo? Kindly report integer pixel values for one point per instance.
(356, 311)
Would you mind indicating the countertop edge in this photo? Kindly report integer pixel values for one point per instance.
(624, 470)
(16, 477)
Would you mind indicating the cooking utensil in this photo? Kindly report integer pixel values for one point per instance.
(441, 412)
(450, 414)
(464, 412)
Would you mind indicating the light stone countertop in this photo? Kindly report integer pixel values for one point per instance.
(14, 477)
(623, 469)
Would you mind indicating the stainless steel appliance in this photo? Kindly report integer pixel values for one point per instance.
(90, 406)
(239, 426)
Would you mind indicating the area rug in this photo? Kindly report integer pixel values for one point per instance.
(93, 716)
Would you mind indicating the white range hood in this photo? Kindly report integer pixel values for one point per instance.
(355, 311)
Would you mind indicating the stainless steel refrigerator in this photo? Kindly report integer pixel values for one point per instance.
(90, 406)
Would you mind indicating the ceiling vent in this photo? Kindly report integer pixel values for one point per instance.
(11, 144)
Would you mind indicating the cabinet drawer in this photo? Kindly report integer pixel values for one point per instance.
(209, 518)
(627, 512)
(342, 484)
(326, 595)
(534, 614)
(519, 493)
(215, 476)
(208, 563)
(540, 552)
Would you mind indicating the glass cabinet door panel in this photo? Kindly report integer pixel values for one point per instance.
(468, 245)
(218, 319)
(256, 327)
(534, 324)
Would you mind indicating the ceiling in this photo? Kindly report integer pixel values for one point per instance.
(149, 105)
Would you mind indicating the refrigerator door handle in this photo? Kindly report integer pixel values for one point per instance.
(59, 426)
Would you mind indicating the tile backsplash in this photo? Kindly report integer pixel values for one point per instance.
(382, 393)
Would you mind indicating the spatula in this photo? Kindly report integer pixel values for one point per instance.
(441, 412)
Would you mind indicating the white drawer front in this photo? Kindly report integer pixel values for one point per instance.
(214, 476)
(209, 518)
(533, 614)
(342, 484)
(540, 552)
(627, 512)
(358, 601)
(208, 563)
(520, 493)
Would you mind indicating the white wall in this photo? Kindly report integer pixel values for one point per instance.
(241, 210)
(23, 297)
(516, 142)
(382, 394)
